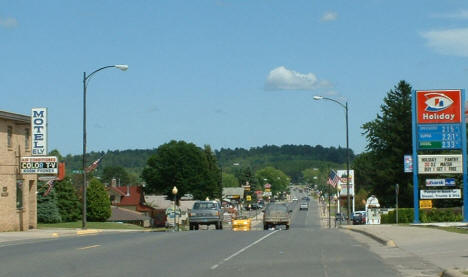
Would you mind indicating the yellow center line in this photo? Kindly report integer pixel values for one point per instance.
(88, 247)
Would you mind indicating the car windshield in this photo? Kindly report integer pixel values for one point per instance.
(204, 206)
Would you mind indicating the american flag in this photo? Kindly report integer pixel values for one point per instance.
(333, 178)
(51, 185)
(94, 165)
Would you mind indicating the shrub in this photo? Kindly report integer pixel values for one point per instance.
(98, 203)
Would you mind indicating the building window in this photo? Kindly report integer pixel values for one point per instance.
(10, 137)
(26, 139)
(19, 194)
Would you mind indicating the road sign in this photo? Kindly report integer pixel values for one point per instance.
(441, 194)
(425, 204)
(435, 164)
(408, 163)
(439, 136)
(448, 182)
(47, 178)
(248, 198)
(39, 165)
(77, 171)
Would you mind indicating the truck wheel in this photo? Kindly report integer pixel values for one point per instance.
(287, 227)
(196, 227)
(192, 227)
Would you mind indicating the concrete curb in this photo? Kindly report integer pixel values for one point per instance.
(452, 273)
(384, 241)
(87, 232)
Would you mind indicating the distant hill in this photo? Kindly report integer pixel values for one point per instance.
(291, 159)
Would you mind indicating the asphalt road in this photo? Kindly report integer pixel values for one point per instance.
(304, 250)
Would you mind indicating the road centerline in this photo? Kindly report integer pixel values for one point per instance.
(242, 250)
(88, 247)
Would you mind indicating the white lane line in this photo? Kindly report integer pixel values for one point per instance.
(242, 250)
(88, 247)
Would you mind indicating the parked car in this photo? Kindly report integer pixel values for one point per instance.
(206, 213)
(276, 214)
(359, 217)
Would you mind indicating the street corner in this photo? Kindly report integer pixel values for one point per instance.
(454, 273)
(88, 232)
(368, 232)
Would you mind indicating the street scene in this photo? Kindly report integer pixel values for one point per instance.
(234, 138)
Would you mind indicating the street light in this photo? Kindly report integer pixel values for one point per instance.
(174, 192)
(345, 106)
(86, 79)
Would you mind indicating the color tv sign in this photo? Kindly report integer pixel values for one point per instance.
(438, 106)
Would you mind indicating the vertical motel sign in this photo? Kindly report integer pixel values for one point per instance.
(438, 124)
(39, 131)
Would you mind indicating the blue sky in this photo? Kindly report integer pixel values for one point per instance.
(224, 73)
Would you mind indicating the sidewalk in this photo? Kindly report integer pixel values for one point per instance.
(444, 249)
(6, 237)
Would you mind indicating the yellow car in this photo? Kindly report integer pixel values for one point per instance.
(241, 224)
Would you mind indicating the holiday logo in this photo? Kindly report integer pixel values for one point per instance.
(437, 102)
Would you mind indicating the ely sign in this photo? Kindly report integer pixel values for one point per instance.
(439, 106)
(39, 131)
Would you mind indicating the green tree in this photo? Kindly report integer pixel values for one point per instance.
(98, 206)
(118, 172)
(229, 180)
(213, 181)
(190, 168)
(47, 208)
(388, 140)
(278, 180)
(67, 200)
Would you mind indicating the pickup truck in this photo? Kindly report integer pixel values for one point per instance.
(206, 213)
(276, 214)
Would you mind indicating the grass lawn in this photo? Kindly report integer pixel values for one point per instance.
(90, 225)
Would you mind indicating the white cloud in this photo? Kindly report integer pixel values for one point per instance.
(8, 22)
(282, 78)
(329, 16)
(449, 41)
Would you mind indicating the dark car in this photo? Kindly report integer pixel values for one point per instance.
(206, 213)
(359, 218)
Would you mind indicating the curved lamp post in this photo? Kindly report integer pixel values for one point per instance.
(86, 78)
(345, 106)
(174, 192)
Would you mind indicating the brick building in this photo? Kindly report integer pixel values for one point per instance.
(18, 204)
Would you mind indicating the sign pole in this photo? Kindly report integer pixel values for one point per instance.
(397, 188)
(415, 161)
(463, 133)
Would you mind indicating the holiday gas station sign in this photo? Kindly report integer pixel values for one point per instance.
(438, 124)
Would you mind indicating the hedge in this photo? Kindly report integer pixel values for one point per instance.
(405, 215)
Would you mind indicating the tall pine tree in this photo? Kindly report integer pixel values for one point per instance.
(389, 139)
(67, 201)
(47, 209)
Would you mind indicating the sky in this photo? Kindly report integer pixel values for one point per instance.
(224, 73)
